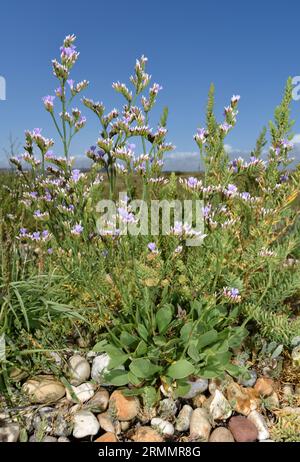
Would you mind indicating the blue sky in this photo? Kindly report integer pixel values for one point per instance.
(248, 48)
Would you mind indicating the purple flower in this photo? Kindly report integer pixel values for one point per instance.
(37, 131)
(50, 251)
(75, 175)
(231, 190)
(23, 232)
(284, 178)
(59, 92)
(37, 213)
(192, 182)
(49, 155)
(77, 230)
(206, 211)
(246, 196)
(125, 216)
(45, 234)
(36, 236)
(152, 246)
(48, 102)
(71, 82)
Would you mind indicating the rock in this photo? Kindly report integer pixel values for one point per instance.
(296, 356)
(85, 424)
(49, 439)
(184, 418)
(99, 367)
(124, 426)
(167, 408)
(250, 381)
(264, 387)
(107, 437)
(288, 410)
(221, 435)
(288, 390)
(99, 402)
(56, 358)
(242, 400)
(243, 430)
(124, 407)
(80, 370)
(61, 426)
(147, 435)
(197, 386)
(163, 426)
(199, 400)
(295, 341)
(44, 389)
(106, 422)
(219, 384)
(272, 402)
(219, 408)
(200, 426)
(259, 421)
(267, 441)
(17, 375)
(9, 433)
(63, 439)
(83, 392)
(297, 389)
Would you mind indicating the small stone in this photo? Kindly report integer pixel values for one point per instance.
(63, 439)
(61, 426)
(295, 341)
(197, 386)
(272, 402)
(297, 389)
(184, 418)
(85, 424)
(214, 384)
(80, 370)
(200, 426)
(107, 437)
(124, 426)
(264, 387)
(124, 407)
(17, 375)
(219, 408)
(49, 439)
(163, 426)
(167, 408)
(106, 422)
(43, 418)
(221, 435)
(288, 390)
(261, 425)
(243, 430)
(242, 400)
(99, 367)
(199, 400)
(43, 389)
(250, 381)
(9, 433)
(296, 356)
(147, 435)
(83, 392)
(99, 401)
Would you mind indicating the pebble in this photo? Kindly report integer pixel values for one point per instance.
(163, 426)
(242, 429)
(43, 389)
(198, 386)
(85, 424)
(167, 408)
(249, 382)
(99, 367)
(272, 401)
(107, 437)
(146, 435)
(288, 390)
(264, 387)
(242, 400)
(200, 426)
(184, 418)
(83, 392)
(43, 418)
(79, 370)
(297, 389)
(124, 407)
(296, 356)
(124, 426)
(9, 433)
(106, 422)
(63, 439)
(99, 402)
(199, 400)
(221, 435)
(261, 425)
(219, 408)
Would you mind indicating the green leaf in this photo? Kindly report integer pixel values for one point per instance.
(193, 352)
(159, 340)
(182, 388)
(163, 318)
(233, 370)
(117, 360)
(181, 369)
(185, 331)
(127, 339)
(141, 349)
(143, 332)
(116, 377)
(100, 346)
(133, 379)
(207, 339)
(143, 368)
